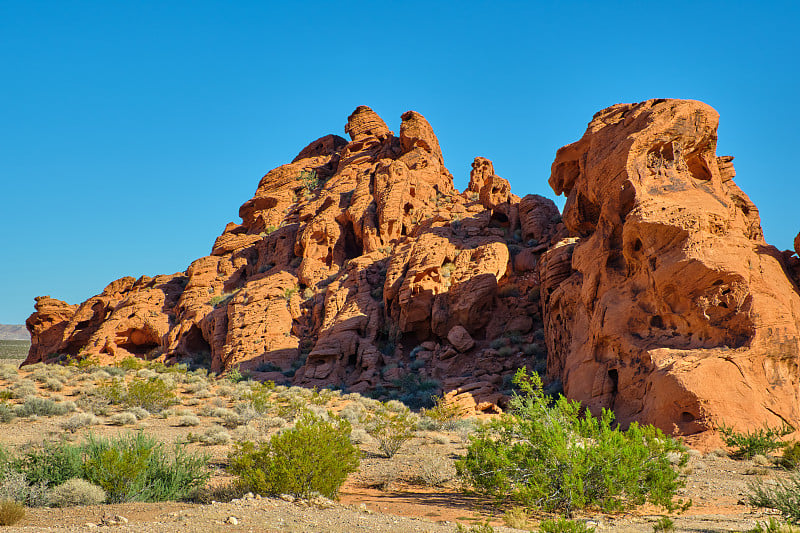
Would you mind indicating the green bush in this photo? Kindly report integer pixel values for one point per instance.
(138, 468)
(791, 456)
(11, 513)
(391, 429)
(153, 395)
(50, 464)
(759, 442)
(550, 454)
(313, 456)
(784, 496)
(664, 524)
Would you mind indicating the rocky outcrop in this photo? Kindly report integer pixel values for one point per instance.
(357, 265)
(667, 306)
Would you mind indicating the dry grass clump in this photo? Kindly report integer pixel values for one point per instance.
(432, 469)
(11, 512)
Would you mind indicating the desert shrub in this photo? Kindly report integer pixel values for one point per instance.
(475, 528)
(131, 363)
(517, 517)
(50, 463)
(76, 491)
(78, 421)
(122, 419)
(7, 413)
(139, 413)
(390, 428)
(138, 468)
(14, 487)
(23, 388)
(664, 523)
(189, 420)
(782, 495)
(8, 372)
(562, 525)
(215, 436)
(313, 456)
(153, 395)
(759, 442)
(433, 470)
(11, 512)
(34, 405)
(791, 456)
(773, 526)
(53, 384)
(550, 454)
(443, 414)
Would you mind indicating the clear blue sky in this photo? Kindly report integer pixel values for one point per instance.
(132, 131)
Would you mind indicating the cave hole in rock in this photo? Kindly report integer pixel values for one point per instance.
(195, 344)
(697, 167)
(637, 245)
(613, 376)
(352, 248)
(687, 417)
(352, 360)
(498, 219)
(408, 208)
(657, 322)
(137, 341)
(412, 192)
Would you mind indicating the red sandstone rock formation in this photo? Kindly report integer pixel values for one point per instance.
(357, 264)
(667, 305)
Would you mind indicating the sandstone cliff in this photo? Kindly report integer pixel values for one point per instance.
(359, 265)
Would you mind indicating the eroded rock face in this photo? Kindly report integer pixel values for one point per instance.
(668, 306)
(357, 264)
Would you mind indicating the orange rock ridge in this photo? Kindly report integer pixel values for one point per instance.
(359, 265)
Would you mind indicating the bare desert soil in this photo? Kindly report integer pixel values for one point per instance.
(415, 490)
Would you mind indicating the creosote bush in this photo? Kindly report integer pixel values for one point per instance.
(390, 427)
(552, 455)
(313, 456)
(150, 393)
(759, 442)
